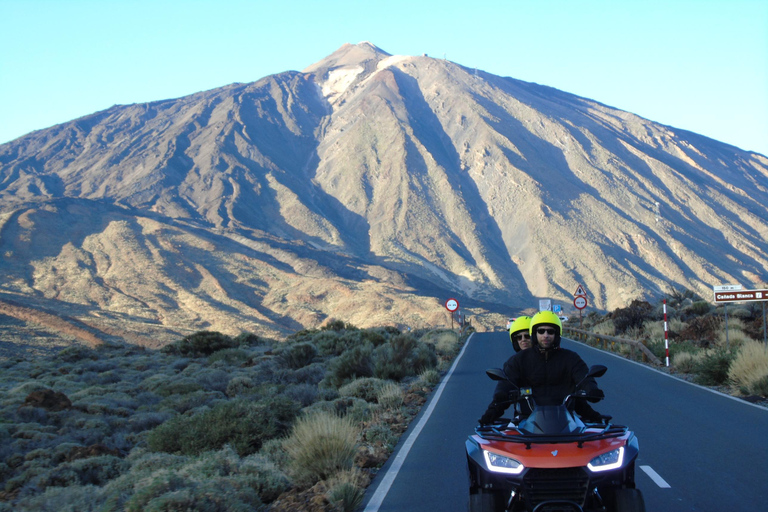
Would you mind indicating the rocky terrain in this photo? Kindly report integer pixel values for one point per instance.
(367, 187)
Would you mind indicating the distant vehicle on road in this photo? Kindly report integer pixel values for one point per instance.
(563, 318)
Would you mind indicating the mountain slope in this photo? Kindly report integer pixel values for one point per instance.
(396, 181)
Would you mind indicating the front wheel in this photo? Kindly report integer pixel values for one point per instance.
(629, 500)
(483, 502)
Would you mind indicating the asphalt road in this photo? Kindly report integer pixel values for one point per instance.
(699, 450)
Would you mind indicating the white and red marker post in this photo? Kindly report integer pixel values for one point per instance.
(666, 332)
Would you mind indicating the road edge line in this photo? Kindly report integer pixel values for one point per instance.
(386, 483)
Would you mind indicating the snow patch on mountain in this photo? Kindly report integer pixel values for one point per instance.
(339, 80)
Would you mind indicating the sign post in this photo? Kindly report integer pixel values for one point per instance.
(452, 305)
(740, 295)
(580, 301)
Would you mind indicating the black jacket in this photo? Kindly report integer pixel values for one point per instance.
(552, 375)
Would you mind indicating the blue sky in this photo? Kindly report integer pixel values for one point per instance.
(698, 65)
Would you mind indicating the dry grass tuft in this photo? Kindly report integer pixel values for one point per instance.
(749, 370)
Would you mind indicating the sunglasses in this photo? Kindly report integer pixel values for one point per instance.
(545, 331)
(521, 337)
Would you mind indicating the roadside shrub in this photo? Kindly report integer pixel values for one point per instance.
(243, 424)
(698, 308)
(229, 356)
(366, 388)
(734, 337)
(337, 325)
(401, 357)
(446, 343)
(200, 344)
(429, 377)
(390, 396)
(76, 353)
(749, 369)
(297, 356)
(321, 445)
(686, 362)
(712, 369)
(703, 330)
(606, 328)
(346, 490)
(350, 365)
(632, 316)
(240, 386)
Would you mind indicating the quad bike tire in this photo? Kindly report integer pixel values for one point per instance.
(483, 502)
(629, 500)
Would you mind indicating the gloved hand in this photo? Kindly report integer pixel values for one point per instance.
(493, 412)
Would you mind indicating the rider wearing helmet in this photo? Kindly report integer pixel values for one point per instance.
(520, 333)
(552, 372)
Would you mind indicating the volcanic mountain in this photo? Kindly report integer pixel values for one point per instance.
(369, 188)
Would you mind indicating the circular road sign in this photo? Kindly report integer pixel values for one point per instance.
(451, 305)
(580, 302)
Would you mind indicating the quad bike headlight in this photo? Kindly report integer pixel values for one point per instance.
(502, 464)
(609, 460)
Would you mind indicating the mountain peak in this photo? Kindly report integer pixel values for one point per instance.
(349, 55)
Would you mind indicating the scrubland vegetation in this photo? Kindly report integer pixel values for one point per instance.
(219, 423)
(213, 422)
(700, 347)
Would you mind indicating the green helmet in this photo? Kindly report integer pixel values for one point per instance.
(546, 318)
(521, 323)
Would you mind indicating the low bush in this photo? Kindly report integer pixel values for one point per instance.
(367, 388)
(346, 490)
(401, 357)
(352, 364)
(712, 369)
(321, 445)
(243, 424)
(200, 344)
(749, 369)
(390, 396)
(297, 356)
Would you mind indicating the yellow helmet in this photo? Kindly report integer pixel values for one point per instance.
(548, 318)
(521, 323)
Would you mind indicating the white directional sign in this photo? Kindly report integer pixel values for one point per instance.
(451, 305)
(727, 287)
(741, 296)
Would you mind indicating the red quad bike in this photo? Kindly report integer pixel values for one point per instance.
(552, 461)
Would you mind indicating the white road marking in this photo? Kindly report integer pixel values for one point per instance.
(655, 477)
(394, 469)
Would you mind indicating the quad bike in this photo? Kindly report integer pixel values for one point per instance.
(552, 461)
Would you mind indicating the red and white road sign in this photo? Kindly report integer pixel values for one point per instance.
(451, 305)
(580, 302)
(741, 296)
(580, 291)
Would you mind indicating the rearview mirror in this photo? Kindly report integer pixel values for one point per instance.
(597, 370)
(496, 374)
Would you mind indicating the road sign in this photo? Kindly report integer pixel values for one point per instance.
(556, 308)
(545, 305)
(580, 302)
(451, 305)
(727, 287)
(580, 291)
(741, 296)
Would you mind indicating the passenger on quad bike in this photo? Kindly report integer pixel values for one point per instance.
(520, 333)
(550, 371)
